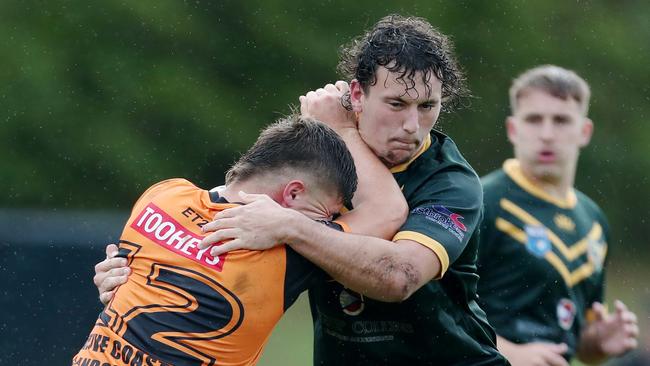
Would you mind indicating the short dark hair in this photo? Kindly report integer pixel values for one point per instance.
(554, 80)
(302, 144)
(404, 45)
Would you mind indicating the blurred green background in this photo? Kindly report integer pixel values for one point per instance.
(100, 99)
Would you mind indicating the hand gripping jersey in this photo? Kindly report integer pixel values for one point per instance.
(441, 323)
(541, 260)
(180, 305)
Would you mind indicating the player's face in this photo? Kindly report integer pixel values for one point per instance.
(317, 204)
(395, 118)
(547, 134)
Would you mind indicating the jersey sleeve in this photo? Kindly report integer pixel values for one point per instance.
(444, 213)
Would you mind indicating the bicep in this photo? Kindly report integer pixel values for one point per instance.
(363, 223)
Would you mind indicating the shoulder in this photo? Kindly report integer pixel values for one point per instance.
(495, 185)
(591, 206)
(168, 187)
(449, 169)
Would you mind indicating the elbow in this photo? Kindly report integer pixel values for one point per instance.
(398, 290)
(403, 280)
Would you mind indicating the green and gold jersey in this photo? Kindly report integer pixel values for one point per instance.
(439, 324)
(541, 259)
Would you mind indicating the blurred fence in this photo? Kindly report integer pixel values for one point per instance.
(49, 303)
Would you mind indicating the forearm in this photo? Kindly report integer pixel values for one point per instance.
(374, 267)
(379, 206)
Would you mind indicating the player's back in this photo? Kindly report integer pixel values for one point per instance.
(180, 305)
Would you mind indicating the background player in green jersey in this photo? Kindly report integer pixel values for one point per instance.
(543, 243)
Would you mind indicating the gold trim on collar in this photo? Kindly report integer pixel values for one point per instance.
(512, 167)
(402, 167)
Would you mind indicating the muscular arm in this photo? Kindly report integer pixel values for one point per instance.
(379, 206)
(380, 269)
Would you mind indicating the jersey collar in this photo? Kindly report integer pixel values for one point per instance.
(402, 167)
(512, 167)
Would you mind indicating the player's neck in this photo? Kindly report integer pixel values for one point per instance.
(557, 187)
(231, 191)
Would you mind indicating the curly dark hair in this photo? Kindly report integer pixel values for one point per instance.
(404, 45)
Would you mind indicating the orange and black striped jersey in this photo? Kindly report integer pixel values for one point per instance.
(182, 306)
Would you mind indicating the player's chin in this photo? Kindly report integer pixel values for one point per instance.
(398, 156)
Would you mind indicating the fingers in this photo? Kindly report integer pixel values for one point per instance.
(111, 250)
(225, 247)
(106, 297)
(554, 359)
(102, 268)
(620, 307)
(218, 236)
(110, 283)
(342, 86)
(632, 330)
(252, 197)
(559, 348)
(629, 317)
(599, 311)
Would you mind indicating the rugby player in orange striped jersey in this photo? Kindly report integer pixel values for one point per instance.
(182, 306)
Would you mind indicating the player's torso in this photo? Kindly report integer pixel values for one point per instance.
(546, 264)
(181, 304)
(434, 326)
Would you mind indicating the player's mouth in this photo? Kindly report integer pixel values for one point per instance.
(404, 144)
(546, 156)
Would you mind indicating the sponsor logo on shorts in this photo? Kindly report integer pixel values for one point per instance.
(444, 217)
(537, 241)
(162, 229)
(351, 302)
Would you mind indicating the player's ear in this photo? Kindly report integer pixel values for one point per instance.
(586, 132)
(356, 96)
(292, 193)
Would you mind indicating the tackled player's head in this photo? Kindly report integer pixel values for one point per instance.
(303, 147)
(408, 46)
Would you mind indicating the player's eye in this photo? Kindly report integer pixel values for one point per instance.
(533, 118)
(561, 120)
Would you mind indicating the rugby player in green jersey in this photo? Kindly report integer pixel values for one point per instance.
(403, 72)
(544, 243)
